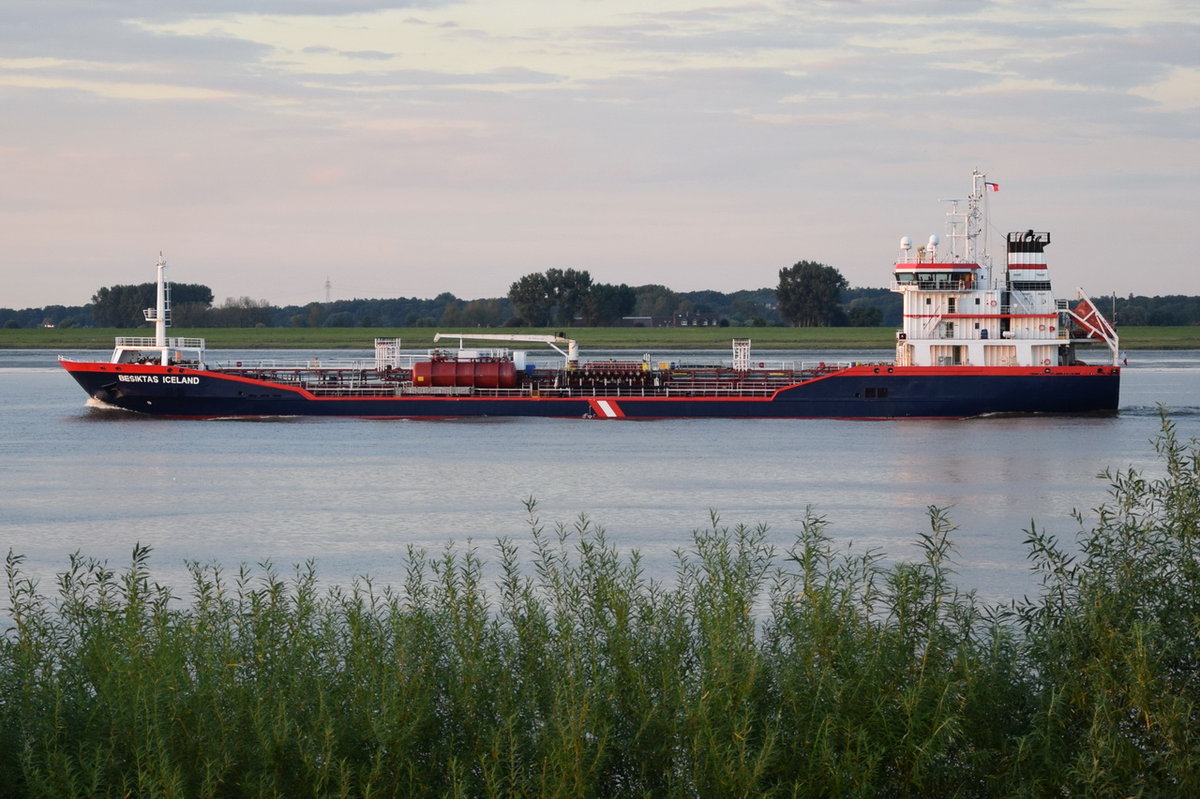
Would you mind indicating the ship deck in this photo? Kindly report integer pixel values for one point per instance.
(594, 380)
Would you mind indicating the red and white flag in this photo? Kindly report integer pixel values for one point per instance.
(992, 186)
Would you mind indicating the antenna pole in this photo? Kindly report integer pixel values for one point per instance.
(160, 304)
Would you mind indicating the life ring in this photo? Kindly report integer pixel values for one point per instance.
(761, 364)
(1041, 327)
(1046, 362)
(1051, 328)
(993, 303)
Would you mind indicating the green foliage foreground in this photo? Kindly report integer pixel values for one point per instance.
(810, 672)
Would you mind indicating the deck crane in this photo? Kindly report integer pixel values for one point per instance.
(572, 353)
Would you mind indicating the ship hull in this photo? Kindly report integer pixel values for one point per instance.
(860, 392)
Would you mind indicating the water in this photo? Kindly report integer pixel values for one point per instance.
(353, 494)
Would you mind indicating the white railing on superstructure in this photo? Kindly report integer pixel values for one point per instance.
(147, 342)
(935, 285)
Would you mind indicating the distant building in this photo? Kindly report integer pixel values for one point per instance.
(696, 320)
(643, 321)
(678, 320)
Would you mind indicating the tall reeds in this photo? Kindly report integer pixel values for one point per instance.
(565, 671)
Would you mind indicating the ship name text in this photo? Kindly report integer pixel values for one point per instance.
(182, 379)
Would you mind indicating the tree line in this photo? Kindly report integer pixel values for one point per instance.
(807, 294)
(559, 297)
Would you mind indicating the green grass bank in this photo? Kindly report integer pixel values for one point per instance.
(590, 338)
(755, 672)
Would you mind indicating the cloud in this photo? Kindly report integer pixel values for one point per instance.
(366, 55)
(652, 140)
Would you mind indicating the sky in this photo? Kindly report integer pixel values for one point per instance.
(410, 148)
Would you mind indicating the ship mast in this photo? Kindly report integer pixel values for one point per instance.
(967, 230)
(160, 314)
(977, 223)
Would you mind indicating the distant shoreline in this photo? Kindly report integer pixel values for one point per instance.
(589, 338)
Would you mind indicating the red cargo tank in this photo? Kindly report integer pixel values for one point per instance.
(478, 374)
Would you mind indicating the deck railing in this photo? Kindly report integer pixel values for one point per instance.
(358, 379)
(178, 343)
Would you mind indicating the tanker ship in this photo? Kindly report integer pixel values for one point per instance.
(975, 341)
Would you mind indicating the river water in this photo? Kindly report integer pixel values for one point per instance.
(353, 494)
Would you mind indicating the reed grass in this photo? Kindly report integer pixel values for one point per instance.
(809, 671)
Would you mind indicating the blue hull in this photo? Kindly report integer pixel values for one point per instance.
(856, 393)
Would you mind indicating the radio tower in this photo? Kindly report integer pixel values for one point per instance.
(328, 286)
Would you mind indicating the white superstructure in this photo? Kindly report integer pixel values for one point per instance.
(958, 312)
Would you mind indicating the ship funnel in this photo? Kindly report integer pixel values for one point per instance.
(1027, 255)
